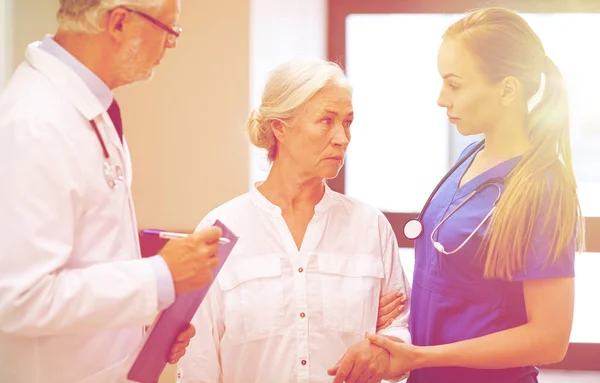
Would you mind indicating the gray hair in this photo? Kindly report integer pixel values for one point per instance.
(290, 86)
(84, 15)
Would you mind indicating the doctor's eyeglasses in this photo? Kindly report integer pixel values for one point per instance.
(172, 32)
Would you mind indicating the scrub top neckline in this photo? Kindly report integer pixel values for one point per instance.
(499, 170)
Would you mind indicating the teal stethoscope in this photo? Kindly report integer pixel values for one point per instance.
(413, 229)
(113, 174)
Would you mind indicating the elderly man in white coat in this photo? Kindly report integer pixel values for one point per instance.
(75, 294)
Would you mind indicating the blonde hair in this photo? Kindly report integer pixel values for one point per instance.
(289, 87)
(505, 45)
(84, 15)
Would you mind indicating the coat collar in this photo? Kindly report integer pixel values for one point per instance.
(71, 85)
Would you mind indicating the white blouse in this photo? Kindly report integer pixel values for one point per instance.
(276, 314)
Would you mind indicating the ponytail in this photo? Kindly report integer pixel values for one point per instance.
(540, 188)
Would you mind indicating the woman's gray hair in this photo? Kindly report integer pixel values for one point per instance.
(85, 15)
(289, 87)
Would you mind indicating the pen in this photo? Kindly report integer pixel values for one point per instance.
(172, 235)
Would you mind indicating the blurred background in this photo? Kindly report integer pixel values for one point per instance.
(186, 128)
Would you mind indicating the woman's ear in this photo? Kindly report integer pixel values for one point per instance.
(277, 128)
(509, 90)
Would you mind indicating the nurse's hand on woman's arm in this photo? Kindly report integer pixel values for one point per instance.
(390, 306)
(542, 340)
(192, 259)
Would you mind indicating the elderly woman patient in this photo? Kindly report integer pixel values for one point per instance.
(303, 284)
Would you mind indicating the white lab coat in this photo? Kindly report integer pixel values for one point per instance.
(74, 293)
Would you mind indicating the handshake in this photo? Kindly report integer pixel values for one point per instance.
(375, 358)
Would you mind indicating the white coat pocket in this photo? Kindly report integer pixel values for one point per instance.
(351, 286)
(253, 298)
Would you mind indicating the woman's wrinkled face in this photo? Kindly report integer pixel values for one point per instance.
(317, 138)
(472, 102)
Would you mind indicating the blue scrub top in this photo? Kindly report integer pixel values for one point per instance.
(451, 300)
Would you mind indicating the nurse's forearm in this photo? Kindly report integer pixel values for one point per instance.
(520, 346)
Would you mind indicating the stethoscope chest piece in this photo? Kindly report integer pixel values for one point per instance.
(113, 174)
(413, 229)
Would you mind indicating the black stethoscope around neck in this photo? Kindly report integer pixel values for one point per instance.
(413, 229)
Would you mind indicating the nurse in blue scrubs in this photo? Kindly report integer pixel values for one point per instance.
(493, 293)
